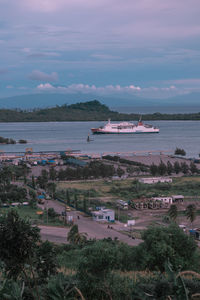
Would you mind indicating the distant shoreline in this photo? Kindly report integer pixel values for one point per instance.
(85, 112)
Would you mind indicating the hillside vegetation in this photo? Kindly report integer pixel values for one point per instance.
(87, 111)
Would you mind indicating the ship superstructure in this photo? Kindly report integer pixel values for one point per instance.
(125, 127)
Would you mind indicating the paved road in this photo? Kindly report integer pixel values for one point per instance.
(87, 225)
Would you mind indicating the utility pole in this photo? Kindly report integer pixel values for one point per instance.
(47, 210)
(118, 211)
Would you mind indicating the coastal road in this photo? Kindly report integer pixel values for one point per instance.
(85, 224)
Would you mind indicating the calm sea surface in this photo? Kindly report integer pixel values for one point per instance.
(61, 136)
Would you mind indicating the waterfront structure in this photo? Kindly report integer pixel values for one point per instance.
(125, 127)
(152, 180)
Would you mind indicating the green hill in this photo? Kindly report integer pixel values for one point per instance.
(87, 111)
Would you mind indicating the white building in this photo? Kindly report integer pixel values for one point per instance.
(177, 198)
(167, 200)
(105, 215)
(152, 180)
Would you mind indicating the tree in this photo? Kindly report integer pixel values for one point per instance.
(75, 237)
(173, 212)
(51, 188)
(120, 172)
(179, 151)
(85, 204)
(193, 168)
(45, 261)
(166, 243)
(18, 240)
(190, 213)
(169, 168)
(68, 198)
(52, 213)
(162, 169)
(177, 167)
(33, 182)
(184, 168)
(94, 268)
(153, 169)
(52, 173)
(76, 201)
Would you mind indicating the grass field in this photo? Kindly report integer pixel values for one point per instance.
(27, 212)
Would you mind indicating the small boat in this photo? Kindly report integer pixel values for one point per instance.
(89, 139)
(125, 127)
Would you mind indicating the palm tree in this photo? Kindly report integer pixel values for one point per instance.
(191, 213)
(75, 237)
(173, 212)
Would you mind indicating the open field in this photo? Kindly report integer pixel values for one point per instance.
(128, 189)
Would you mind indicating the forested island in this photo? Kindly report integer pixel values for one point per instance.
(87, 111)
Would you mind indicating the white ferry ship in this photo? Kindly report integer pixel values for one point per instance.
(125, 127)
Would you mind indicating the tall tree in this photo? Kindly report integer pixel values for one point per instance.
(169, 168)
(191, 213)
(177, 167)
(162, 169)
(173, 212)
(75, 237)
(153, 169)
(193, 168)
(68, 197)
(76, 201)
(184, 168)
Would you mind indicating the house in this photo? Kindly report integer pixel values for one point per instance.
(105, 215)
(152, 180)
(177, 198)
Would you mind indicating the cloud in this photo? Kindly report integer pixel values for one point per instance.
(114, 90)
(43, 54)
(187, 82)
(9, 87)
(105, 56)
(41, 76)
(89, 89)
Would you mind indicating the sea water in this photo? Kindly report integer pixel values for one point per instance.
(61, 136)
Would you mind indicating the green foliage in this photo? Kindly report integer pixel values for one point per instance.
(45, 261)
(163, 243)
(180, 151)
(177, 167)
(22, 142)
(60, 287)
(87, 111)
(75, 237)
(153, 169)
(184, 168)
(93, 170)
(173, 212)
(190, 212)
(6, 140)
(193, 168)
(17, 242)
(52, 213)
(11, 290)
(162, 169)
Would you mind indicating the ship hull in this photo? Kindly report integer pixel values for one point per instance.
(135, 132)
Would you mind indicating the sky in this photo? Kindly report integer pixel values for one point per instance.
(147, 48)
